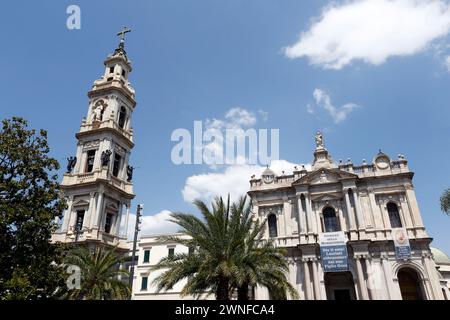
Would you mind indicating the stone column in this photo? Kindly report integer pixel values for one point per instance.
(98, 212)
(316, 279)
(302, 216)
(349, 211)
(406, 214)
(361, 280)
(432, 277)
(414, 207)
(370, 279)
(387, 276)
(87, 223)
(341, 218)
(125, 231)
(307, 279)
(118, 220)
(359, 214)
(67, 214)
(311, 225)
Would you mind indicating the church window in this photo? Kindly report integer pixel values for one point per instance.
(144, 283)
(108, 222)
(79, 221)
(146, 256)
(116, 164)
(122, 117)
(272, 221)
(124, 73)
(394, 216)
(111, 69)
(330, 220)
(171, 252)
(90, 160)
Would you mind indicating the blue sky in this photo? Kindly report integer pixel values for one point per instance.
(196, 60)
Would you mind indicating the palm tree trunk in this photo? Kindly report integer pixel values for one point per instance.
(222, 291)
(243, 292)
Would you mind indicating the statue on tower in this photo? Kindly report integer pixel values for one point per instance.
(71, 161)
(129, 173)
(319, 141)
(106, 157)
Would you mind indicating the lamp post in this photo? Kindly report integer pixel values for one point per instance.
(133, 254)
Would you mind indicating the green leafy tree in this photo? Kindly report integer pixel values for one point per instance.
(29, 203)
(227, 242)
(99, 275)
(445, 201)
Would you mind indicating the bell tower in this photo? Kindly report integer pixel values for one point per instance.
(98, 181)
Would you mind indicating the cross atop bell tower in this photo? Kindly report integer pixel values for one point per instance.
(98, 182)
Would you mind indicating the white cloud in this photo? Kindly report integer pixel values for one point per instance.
(236, 121)
(153, 224)
(447, 63)
(323, 100)
(371, 31)
(234, 180)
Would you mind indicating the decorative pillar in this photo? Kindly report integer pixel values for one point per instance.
(387, 275)
(67, 214)
(307, 279)
(98, 213)
(125, 231)
(302, 216)
(349, 211)
(118, 220)
(371, 280)
(316, 279)
(406, 214)
(359, 214)
(361, 280)
(341, 218)
(311, 225)
(87, 223)
(414, 207)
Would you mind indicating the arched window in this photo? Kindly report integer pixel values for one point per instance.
(330, 220)
(394, 216)
(272, 221)
(122, 116)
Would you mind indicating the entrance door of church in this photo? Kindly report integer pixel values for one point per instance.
(409, 284)
(340, 286)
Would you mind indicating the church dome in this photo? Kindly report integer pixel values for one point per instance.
(268, 175)
(440, 257)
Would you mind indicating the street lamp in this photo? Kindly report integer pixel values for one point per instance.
(136, 231)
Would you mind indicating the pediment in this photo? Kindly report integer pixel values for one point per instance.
(323, 175)
(80, 203)
(326, 197)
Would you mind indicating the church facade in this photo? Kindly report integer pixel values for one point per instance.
(98, 182)
(367, 210)
(350, 231)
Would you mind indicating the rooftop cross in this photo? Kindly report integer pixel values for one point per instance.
(122, 33)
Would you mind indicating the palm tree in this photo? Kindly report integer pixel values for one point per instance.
(99, 275)
(445, 201)
(229, 254)
(259, 262)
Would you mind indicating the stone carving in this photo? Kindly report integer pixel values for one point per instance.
(71, 161)
(319, 140)
(106, 157)
(129, 173)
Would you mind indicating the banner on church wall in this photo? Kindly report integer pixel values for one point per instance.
(401, 243)
(333, 249)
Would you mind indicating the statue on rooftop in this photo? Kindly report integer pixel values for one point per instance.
(319, 140)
